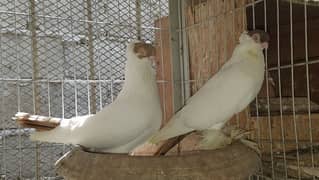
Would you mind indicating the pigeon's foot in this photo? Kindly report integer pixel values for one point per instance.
(251, 144)
(214, 139)
(241, 135)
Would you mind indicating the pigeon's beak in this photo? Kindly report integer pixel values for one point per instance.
(261, 37)
(143, 50)
(264, 45)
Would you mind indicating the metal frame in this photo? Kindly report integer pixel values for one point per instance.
(176, 49)
(179, 55)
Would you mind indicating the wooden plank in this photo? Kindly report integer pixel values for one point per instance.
(291, 164)
(164, 67)
(302, 126)
(286, 106)
(164, 76)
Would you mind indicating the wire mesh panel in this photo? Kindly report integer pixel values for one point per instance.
(62, 59)
(287, 109)
(284, 117)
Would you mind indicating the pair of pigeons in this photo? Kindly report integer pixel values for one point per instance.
(135, 116)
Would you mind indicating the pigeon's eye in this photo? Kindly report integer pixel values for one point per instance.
(256, 37)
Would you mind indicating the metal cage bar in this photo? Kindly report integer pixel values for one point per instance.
(279, 69)
(308, 88)
(279, 85)
(292, 86)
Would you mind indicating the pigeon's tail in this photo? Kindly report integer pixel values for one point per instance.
(172, 129)
(40, 123)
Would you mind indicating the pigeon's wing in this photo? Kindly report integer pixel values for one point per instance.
(228, 92)
(61, 133)
(130, 119)
(122, 122)
(175, 127)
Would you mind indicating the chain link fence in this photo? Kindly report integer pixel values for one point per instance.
(62, 59)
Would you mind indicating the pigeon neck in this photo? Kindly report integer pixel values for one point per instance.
(139, 75)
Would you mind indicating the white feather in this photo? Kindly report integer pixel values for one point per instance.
(226, 93)
(123, 125)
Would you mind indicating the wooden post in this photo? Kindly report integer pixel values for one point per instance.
(35, 76)
(91, 58)
(138, 19)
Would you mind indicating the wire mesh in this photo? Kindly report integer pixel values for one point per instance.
(66, 58)
(284, 114)
(62, 59)
(289, 64)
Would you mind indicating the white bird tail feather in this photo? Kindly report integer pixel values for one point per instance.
(39, 123)
(60, 135)
(172, 129)
(48, 129)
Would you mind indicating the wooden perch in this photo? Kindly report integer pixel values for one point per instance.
(302, 2)
(283, 129)
(290, 163)
(235, 161)
(301, 106)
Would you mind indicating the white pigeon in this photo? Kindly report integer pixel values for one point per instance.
(121, 126)
(226, 93)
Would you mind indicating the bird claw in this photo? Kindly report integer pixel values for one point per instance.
(251, 144)
(214, 139)
(239, 133)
